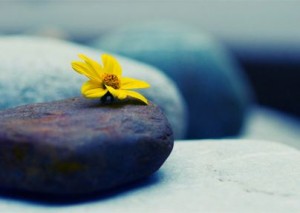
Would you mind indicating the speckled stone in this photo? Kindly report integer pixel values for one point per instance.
(77, 146)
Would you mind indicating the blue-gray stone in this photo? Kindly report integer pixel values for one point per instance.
(213, 85)
(35, 69)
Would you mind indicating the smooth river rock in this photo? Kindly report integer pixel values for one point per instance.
(35, 69)
(217, 93)
(77, 146)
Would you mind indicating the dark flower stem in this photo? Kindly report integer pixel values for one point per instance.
(107, 98)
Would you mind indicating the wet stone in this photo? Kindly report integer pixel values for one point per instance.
(78, 146)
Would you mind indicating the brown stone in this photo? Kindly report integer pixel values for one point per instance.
(77, 146)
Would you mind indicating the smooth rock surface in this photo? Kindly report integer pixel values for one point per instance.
(79, 146)
(34, 69)
(265, 123)
(204, 176)
(217, 93)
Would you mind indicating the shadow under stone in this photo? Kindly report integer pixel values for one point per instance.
(66, 200)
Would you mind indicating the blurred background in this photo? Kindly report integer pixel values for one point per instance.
(261, 39)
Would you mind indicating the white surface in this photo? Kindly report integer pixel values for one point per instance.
(268, 124)
(204, 176)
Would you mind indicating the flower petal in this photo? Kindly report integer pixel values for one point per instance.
(83, 69)
(80, 67)
(111, 65)
(91, 89)
(94, 93)
(137, 96)
(120, 94)
(131, 83)
(93, 65)
(90, 85)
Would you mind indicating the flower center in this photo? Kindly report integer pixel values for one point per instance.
(111, 80)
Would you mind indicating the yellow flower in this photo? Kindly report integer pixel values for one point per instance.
(107, 79)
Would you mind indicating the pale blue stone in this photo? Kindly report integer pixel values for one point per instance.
(217, 93)
(34, 69)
